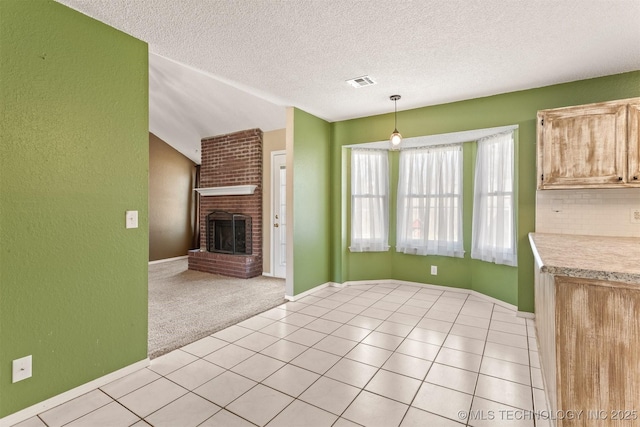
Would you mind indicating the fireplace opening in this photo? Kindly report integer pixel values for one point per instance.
(229, 233)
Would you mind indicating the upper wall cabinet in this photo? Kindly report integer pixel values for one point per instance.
(634, 142)
(590, 146)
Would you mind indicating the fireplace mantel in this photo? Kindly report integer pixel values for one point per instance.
(232, 190)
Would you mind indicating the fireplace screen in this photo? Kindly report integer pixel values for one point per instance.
(229, 233)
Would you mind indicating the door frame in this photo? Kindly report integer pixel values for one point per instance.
(272, 209)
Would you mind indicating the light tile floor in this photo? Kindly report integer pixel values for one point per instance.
(372, 355)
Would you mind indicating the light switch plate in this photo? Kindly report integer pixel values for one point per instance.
(434, 270)
(21, 369)
(131, 219)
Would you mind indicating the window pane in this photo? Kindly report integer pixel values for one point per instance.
(430, 201)
(369, 201)
(493, 238)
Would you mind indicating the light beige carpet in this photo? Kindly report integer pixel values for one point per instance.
(186, 305)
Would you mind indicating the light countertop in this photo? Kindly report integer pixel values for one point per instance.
(592, 257)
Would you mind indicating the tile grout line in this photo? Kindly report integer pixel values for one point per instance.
(286, 363)
(406, 337)
(381, 291)
(441, 347)
(484, 348)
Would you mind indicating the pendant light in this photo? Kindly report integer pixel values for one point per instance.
(395, 137)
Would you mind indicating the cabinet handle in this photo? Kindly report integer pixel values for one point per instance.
(619, 178)
(635, 178)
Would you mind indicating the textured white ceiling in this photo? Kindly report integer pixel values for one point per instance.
(300, 53)
(186, 105)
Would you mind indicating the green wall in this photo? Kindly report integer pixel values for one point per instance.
(311, 202)
(73, 159)
(513, 285)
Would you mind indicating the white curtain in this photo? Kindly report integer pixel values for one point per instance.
(494, 237)
(369, 200)
(430, 201)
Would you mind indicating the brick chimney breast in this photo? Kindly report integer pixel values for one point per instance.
(229, 160)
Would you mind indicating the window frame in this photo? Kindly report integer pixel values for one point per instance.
(429, 243)
(481, 249)
(370, 243)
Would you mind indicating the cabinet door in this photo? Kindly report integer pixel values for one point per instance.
(583, 146)
(634, 144)
(598, 343)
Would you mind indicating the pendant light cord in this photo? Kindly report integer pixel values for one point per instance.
(395, 98)
(395, 114)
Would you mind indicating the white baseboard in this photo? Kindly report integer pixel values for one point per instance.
(309, 292)
(59, 399)
(435, 287)
(496, 301)
(493, 300)
(368, 282)
(526, 315)
(160, 261)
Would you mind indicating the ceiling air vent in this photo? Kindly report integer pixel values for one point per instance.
(362, 81)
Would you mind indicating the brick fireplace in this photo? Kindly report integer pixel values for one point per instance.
(229, 164)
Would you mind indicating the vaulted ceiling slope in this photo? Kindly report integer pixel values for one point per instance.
(300, 53)
(186, 105)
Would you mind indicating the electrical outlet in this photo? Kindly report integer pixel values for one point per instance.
(434, 270)
(21, 369)
(635, 216)
(131, 219)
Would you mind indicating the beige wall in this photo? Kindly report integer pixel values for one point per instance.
(272, 141)
(171, 182)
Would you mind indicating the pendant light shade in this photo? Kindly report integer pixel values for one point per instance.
(395, 137)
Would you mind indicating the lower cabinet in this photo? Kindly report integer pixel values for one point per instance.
(589, 337)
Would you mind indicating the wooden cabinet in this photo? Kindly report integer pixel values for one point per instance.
(589, 146)
(587, 304)
(545, 307)
(633, 126)
(597, 345)
(589, 336)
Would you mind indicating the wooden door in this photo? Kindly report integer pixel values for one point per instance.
(598, 348)
(583, 146)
